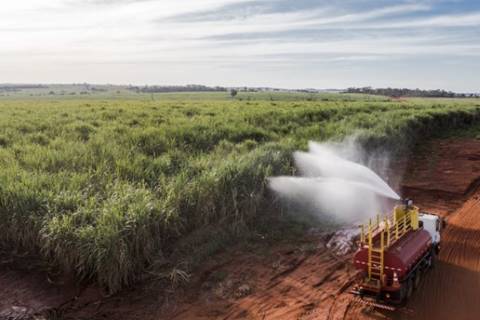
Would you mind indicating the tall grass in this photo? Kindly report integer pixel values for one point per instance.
(104, 189)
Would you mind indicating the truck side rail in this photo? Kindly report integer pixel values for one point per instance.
(382, 233)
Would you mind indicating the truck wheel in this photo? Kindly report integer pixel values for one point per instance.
(433, 259)
(409, 289)
(417, 278)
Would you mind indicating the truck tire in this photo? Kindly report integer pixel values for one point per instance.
(416, 279)
(430, 260)
(433, 259)
(406, 291)
(409, 289)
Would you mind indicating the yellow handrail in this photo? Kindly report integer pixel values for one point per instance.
(387, 227)
(370, 245)
(403, 220)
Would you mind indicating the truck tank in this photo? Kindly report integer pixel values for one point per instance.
(401, 256)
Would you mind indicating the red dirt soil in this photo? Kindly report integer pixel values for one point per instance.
(302, 280)
(441, 175)
(452, 290)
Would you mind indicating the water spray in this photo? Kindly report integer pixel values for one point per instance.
(333, 186)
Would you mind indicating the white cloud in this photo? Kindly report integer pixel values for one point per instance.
(146, 34)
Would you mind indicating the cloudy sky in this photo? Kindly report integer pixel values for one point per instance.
(279, 43)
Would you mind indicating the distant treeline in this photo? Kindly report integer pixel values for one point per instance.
(187, 88)
(18, 87)
(404, 92)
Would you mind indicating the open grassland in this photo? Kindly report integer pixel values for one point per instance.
(108, 189)
(75, 92)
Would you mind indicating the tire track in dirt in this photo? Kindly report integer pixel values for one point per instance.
(452, 290)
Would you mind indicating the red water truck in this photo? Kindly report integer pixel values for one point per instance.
(394, 253)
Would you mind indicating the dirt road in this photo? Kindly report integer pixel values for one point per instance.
(452, 290)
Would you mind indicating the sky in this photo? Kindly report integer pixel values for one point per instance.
(277, 43)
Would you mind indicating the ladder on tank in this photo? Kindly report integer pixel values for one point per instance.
(375, 262)
(382, 234)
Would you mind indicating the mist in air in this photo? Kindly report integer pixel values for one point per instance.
(336, 183)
